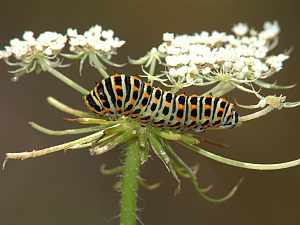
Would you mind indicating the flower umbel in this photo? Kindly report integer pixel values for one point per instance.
(32, 54)
(96, 45)
(237, 60)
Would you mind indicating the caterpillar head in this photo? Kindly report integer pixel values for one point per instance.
(93, 104)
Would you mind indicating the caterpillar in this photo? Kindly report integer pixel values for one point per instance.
(121, 95)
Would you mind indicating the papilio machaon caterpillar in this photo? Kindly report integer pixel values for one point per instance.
(130, 96)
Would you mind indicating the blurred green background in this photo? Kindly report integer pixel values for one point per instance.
(67, 189)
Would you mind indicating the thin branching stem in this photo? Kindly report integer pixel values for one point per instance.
(240, 164)
(47, 131)
(256, 115)
(220, 89)
(66, 146)
(98, 65)
(195, 183)
(67, 81)
(152, 69)
(66, 109)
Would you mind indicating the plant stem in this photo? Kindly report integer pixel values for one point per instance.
(258, 114)
(98, 65)
(240, 164)
(67, 81)
(221, 89)
(152, 67)
(130, 184)
(67, 109)
(66, 146)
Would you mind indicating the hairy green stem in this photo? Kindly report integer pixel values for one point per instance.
(67, 81)
(130, 184)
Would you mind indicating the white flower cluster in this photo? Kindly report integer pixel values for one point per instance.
(47, 43)
(95, 39)
(242, 55)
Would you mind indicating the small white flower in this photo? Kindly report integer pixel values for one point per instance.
(94, 39)
(184, 59)
(4, 54)
(198, 49)
(28, 36)
(239, 64)
(52, 41)
(182, 71)
(216, 37)
(206, 70)
(240, 29)
(172, 50)
(193, 69)
(172, 60)
(107, 34)
(258, 67)
(276, 62)
(96, 31)
(173, 72)
(261, 52)
(253, 32)
(168, 36)
(270, 31)
(197, 59)
(48, 51)
(116, 43)
(72, 32)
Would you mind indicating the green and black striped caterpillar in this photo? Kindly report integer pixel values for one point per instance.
(130, 96)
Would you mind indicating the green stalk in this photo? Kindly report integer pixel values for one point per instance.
(129, 185)
(240, 164)
(66, 80)
(221, 89)
(47, 131)
(67, 109)
(152, 67)
(95, 62)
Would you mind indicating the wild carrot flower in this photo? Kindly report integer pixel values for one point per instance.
(96, 45)
(237, 60)
(224, 61)
(33, 54)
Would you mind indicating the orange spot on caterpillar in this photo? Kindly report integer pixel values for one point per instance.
(206, 106)
(193, 107)
(180, 106)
